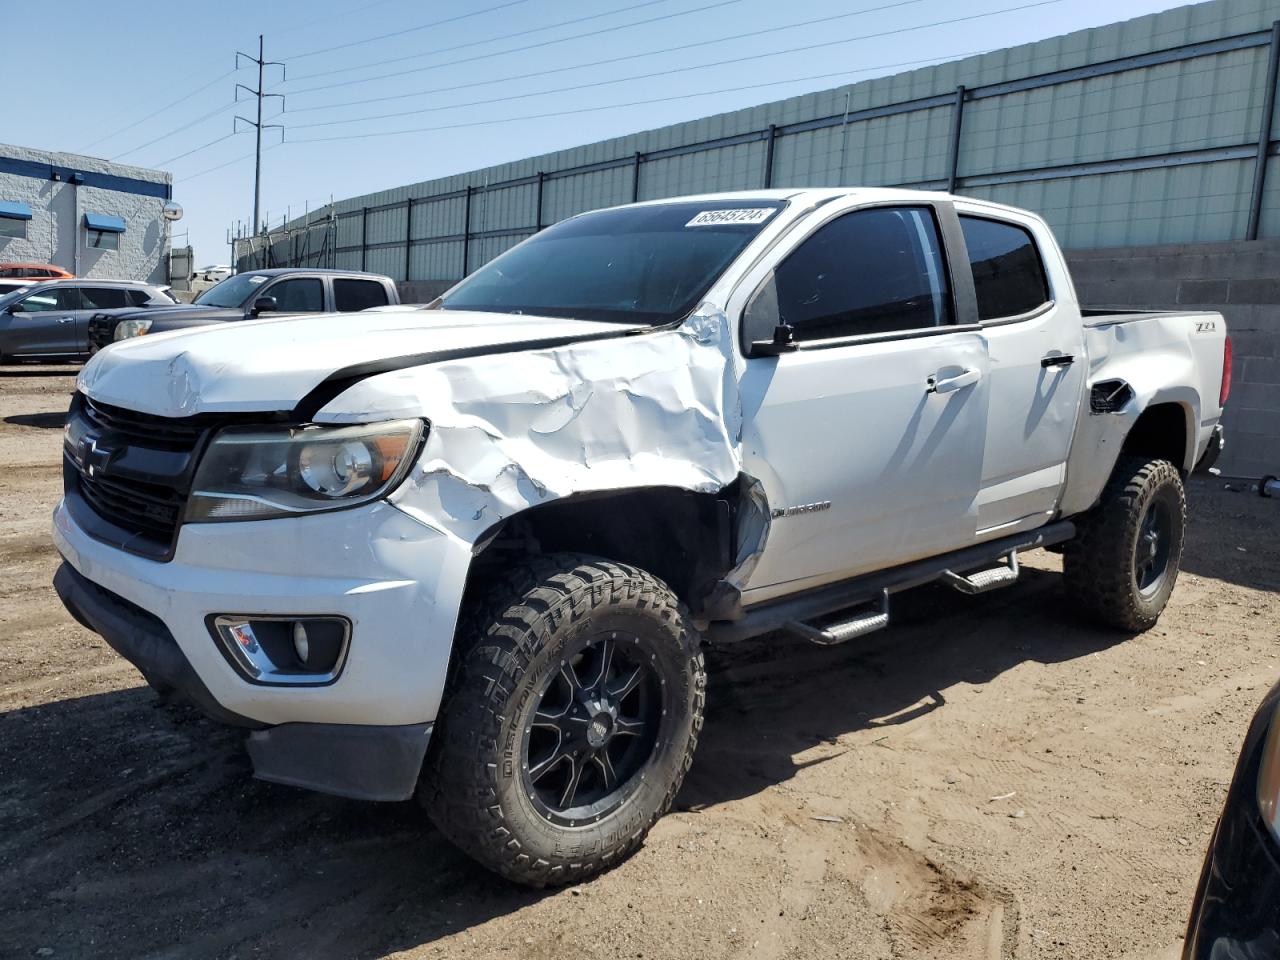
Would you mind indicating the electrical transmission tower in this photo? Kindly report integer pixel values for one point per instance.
(260, 95)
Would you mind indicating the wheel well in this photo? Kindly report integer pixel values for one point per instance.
(1160, 433)
(685, 538)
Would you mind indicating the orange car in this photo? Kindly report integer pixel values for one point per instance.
(34, 271)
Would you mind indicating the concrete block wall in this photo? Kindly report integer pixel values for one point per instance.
(58, 207)
(1241, 280)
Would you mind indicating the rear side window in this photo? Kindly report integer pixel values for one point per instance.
(137, 297)
(1008, 275)
(871, 271)
(351, 295)
(104, 298)
(303, 295)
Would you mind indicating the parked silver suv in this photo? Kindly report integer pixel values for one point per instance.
(49, 320)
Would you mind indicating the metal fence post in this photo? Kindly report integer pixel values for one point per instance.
(635, 177)
(537, 213)
(768, 155)
(1264, 136)
(957, 118)
(466, 231)
(408, 237)
(364, 236)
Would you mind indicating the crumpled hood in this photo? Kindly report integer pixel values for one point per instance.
(272, 364)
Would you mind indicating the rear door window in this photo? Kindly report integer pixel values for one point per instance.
(1008, 274)
(104, 298)
(349, 295)
(299, 295)
(870, 271)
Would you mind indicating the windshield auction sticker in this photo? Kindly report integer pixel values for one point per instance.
(716, 218)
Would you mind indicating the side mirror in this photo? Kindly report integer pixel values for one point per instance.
(264, 305)
(764, 331)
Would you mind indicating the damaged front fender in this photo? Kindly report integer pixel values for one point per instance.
(516, 431)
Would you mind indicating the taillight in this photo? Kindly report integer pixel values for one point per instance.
(1226, 373)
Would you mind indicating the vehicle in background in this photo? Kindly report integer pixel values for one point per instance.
(214, 273)
(34, 271)
(49, 319)
(246, 296)
(8, 286)
(1236, 911)
(473, 557)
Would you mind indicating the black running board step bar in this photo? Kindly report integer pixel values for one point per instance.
(809, 606)
(984, 580)
(859, 625)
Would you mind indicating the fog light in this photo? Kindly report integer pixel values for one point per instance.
(242, 633)
(283, 650)
(300, 645)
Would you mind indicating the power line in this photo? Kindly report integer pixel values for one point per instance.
(403, 31)
(600, 83)
(182, 99)
(618, 106)
(203, 146)
(476, 43)
(883, 33)
(501, 53)
(612, 60)
(247, 156)
(186, 126)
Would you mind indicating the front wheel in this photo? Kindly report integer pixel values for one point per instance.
(1123, 563)
(571, 721)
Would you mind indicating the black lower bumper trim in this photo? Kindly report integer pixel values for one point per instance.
(361, 762)
(1212, 452)
(142, 639)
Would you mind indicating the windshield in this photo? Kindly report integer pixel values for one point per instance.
(232, 291)
(642, 264)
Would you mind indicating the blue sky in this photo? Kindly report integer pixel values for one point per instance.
(107, 67)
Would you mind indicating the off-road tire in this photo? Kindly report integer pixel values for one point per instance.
(1101, 565)
(510, 646)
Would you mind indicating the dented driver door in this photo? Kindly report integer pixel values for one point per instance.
(868, 434)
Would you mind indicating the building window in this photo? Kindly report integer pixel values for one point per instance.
(102, 240)
(13, 219)
(102, 232)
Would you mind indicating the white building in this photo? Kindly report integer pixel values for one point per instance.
(88, 216)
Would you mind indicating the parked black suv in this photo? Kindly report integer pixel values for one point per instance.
(249, 295)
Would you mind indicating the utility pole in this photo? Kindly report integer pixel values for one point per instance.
(258, 125)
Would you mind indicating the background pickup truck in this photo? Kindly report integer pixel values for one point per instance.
(249, 295)
(471, 552)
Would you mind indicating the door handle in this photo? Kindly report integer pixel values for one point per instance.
(1065, 360)
(63, 319)
(951, 384)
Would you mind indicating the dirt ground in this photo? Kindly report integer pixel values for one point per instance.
(990, 778)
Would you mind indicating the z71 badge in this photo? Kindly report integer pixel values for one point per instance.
(1206, 326)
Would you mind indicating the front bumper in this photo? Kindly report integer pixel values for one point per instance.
(363, 762)
(398, 581)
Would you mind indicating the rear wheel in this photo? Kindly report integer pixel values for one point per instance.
(571, 720)
(1123, 564)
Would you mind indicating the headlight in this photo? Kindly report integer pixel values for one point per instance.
(131, 328)
(251, 473)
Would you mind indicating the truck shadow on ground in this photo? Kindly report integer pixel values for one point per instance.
(129, 829)
(44, 421)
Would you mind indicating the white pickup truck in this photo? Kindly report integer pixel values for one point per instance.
(470, 552)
